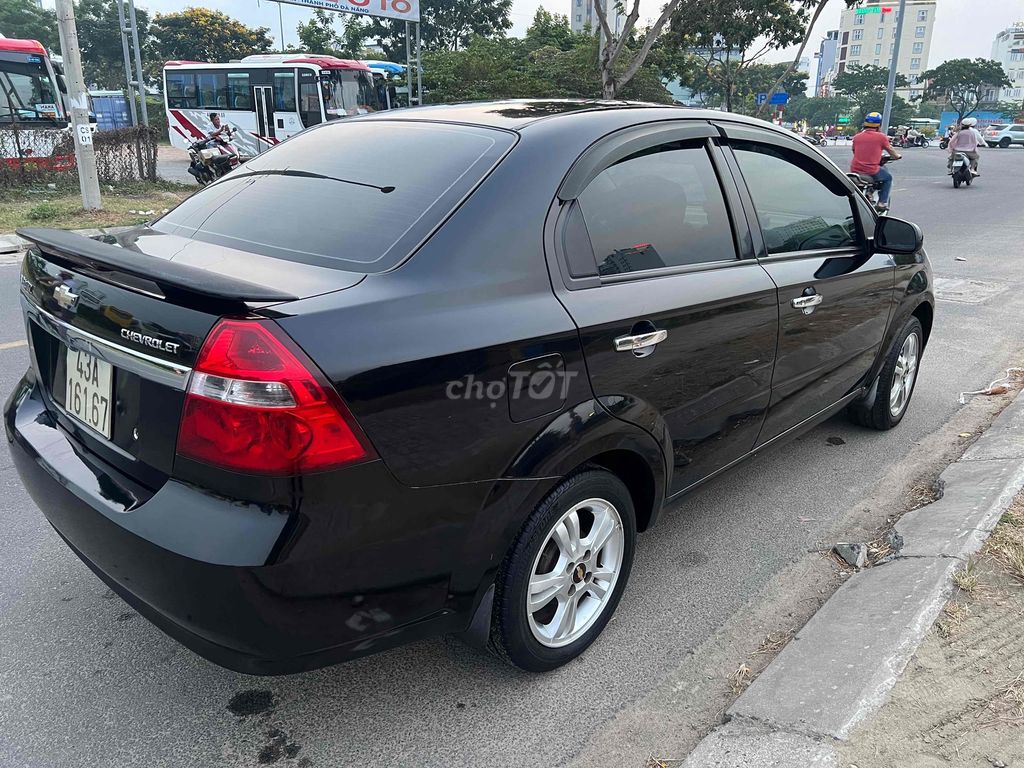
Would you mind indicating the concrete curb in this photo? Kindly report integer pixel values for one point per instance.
(11, 245)
(840, 667)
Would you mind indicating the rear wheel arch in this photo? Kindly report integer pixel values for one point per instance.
(636, 474)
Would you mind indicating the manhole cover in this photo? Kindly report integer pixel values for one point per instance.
(965, 291)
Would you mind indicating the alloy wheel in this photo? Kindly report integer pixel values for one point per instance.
(573, 577)
(904, 375)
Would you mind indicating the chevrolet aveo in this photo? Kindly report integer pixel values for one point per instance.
(432, 371)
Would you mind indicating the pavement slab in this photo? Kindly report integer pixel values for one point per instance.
(839, 669)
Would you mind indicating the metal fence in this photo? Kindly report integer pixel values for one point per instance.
(37, 157)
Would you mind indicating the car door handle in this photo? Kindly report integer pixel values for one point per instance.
(640, 341)
(807, 303)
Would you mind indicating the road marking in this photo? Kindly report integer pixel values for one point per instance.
(13, 344)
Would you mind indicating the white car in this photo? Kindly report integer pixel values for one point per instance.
(1002, 135)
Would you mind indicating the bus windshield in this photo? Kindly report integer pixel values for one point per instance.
(28, 92)
(346, 93)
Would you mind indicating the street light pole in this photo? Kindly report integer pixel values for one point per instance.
(78, 98)
(890, 90)
(139, 81)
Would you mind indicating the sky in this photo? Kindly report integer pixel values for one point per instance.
(963, 28)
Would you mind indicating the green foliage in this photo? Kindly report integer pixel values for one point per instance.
(860, 81)
(728, 37)
(963, 83)
(202, 34)
(445, 25)
(319, 35)
(1010, 110)
(21, 18)
(550, 29)
(499, 69)
(100, 41)
(44, 211)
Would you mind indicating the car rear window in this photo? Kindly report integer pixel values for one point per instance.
(354, 195)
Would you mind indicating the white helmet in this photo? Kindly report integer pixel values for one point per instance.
(968, 122)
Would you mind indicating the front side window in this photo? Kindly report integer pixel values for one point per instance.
(662, 207)
(796, 209)
(284, 90)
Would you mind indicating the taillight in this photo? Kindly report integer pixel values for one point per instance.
(257, 404)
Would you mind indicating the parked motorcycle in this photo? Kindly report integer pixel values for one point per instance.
(962, 173)
(212, 158)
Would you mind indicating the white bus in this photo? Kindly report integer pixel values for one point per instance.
(266, 98)
(33, 119)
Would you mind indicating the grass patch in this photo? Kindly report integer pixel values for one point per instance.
(62, 208)
(1006, 546)
(967, 578)
(740, 679)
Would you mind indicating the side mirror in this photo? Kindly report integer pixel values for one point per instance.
(897, 236)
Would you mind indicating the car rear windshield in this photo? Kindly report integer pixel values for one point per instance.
(356, 195)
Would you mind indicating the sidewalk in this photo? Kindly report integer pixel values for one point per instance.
(824, 701)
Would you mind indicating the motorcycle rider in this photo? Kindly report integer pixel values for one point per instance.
(868, 146)
(222, 133)
(966, 141)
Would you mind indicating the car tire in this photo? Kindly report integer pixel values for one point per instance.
(885, 409)
(550, 560)
(1004, 143)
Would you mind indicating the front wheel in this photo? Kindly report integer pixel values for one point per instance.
(566, 571)
(895, 385)
(1004, 143)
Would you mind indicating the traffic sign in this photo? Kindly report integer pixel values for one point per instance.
(843, 120)
(780, 98)
(761, 98)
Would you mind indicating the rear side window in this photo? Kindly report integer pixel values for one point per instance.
(797, 212)
(662, 207)
(354, 195)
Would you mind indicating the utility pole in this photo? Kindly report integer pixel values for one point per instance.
(78, 98)
(891, 89)
(139, 81)
(122, 23)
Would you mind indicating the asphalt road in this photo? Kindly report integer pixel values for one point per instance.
(84, 681)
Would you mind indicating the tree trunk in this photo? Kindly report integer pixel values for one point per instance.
(796, 59)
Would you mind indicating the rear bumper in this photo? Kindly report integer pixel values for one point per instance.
(295, 591)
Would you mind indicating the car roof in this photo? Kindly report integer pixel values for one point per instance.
(516, 114)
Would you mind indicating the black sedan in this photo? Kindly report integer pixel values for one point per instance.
(432, 371)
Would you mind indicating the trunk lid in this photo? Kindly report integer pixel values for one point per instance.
(140, 304)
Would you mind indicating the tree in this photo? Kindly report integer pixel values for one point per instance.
(618, 61)
(817, 7)
(866, 87)
(963, 83)
(318, 34)
(550, 29)
(445, 25)
(100, 39)
(22, 18)
(202, 34)
(729, 36)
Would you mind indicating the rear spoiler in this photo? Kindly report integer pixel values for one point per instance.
(78, 250)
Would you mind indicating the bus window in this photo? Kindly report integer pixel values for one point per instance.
(284, 90)
(346, 93)
(239, 96)
(212, 89)
(309, 98)
(181, 90)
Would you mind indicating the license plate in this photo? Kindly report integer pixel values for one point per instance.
(87, 392)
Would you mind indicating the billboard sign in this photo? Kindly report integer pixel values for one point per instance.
(406, 10)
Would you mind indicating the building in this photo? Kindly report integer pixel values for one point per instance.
(827, 56)
(583, 17)
(867, 36)
(1008, 50)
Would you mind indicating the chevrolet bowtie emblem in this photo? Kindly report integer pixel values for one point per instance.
(64, 297)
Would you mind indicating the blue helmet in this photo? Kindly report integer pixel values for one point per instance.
(873, 120)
